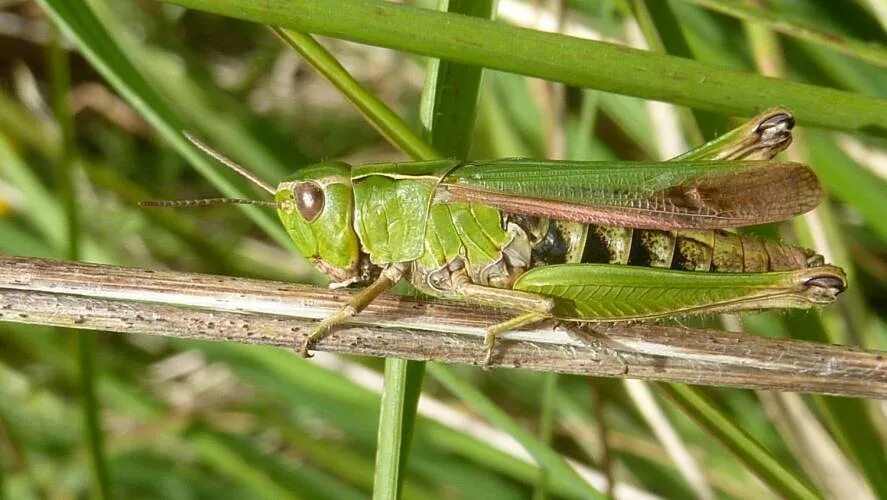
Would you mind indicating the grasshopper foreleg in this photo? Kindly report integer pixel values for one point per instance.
(389, 277)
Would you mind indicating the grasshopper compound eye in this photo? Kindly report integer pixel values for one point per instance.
(309, 199)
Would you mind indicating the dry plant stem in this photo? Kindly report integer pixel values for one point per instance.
(197, 306)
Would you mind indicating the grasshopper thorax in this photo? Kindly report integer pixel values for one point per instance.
(316, 207)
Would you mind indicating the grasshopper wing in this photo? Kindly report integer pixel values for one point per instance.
(646, 195)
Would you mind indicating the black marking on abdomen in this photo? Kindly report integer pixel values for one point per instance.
(652, 248)
(552, 249)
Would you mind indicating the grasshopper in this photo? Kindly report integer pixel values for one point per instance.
(574, 241)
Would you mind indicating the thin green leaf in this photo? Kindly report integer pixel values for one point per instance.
(396, 419)
(403, 379)
(449, 102)
(217, 453)
(849, 419)
(758, 460)
(858, 187)
(553, 463)
(46, 216)
(449, 99)
(85, 347)
(86, 352)
(574, 61)
(872, 52)
(391, 126)
(546, 429)
(79, 23)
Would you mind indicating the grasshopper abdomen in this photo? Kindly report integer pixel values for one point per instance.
(717, 250)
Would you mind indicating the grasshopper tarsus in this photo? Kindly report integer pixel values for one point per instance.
(317, 333)
(304, 349)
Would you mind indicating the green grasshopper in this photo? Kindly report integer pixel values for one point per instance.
(573, 241)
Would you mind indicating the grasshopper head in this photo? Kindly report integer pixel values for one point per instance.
(316, 206)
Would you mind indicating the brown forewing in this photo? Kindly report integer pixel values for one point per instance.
(779, 192)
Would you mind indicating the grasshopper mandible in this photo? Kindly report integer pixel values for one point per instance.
(567, 240)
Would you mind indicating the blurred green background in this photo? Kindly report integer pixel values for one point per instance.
(185, 419)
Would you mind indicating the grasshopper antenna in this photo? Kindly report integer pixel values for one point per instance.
(227, 162)
(205, 202)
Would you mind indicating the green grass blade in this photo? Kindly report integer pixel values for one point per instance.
(391, 126)
(59, 69)
(442, 109)
(412, 380)
(85, 346)
(80, 24)
(849, 420)
(86, 352)
(759, 461)
(47, 219)
(449, 100)
(215, 114)
(546, 429)
(233, 464)
(663, 35)
(861, 188)
(396, 420)
(553, 463)
(872, 52)
(403, 379)
(580, 63)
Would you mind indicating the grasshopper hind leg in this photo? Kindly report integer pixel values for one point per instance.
(514, 323)
(535, 307)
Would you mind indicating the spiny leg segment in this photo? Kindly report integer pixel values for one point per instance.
(506, 326)
(538, 309)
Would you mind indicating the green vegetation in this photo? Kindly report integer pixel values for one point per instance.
(91, 126)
